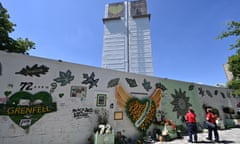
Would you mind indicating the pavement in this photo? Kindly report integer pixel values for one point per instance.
(228, 136)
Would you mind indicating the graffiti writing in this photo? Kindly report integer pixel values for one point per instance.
(23, 110)
(80, 113)
(26, 85)
(30, 86)
(53, 87)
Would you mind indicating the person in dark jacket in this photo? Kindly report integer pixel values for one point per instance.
(190, 117)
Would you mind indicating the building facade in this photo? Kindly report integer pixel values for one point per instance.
(127, 39)
(229, 74)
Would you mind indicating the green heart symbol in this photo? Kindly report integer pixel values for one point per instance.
(141, 112)
(25, 108)
(115, 9)
(61, 95)
(7, 93)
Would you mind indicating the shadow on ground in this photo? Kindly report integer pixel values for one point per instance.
(220, 142)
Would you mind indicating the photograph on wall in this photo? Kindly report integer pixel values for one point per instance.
(79, 92)
(118, 115)
(101, 100)
(25, 122)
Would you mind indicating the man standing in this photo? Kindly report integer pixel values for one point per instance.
(192, 124)
(212, 126)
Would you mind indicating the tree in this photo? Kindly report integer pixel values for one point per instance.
(234, 60)
(232, 30)
(6, 42)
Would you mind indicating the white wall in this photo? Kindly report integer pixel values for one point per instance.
(60, 126)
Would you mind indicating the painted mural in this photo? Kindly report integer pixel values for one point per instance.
(24, 108)
(140, 111)
(48, 101)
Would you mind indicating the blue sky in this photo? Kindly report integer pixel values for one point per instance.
(183, 34)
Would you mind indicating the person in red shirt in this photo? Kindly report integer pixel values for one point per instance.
(211, 118)
(190, 117)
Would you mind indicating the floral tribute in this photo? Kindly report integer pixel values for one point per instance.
(140, 111)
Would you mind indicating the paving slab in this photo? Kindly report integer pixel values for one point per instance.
(228, 136)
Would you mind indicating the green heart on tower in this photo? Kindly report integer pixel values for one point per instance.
(141, 112)
(25, 108)
(115, 9)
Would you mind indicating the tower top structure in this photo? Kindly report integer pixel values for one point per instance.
(127, 40)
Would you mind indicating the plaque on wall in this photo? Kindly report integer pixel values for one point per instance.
(138, 8)
(101, 100)
(115, 10)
